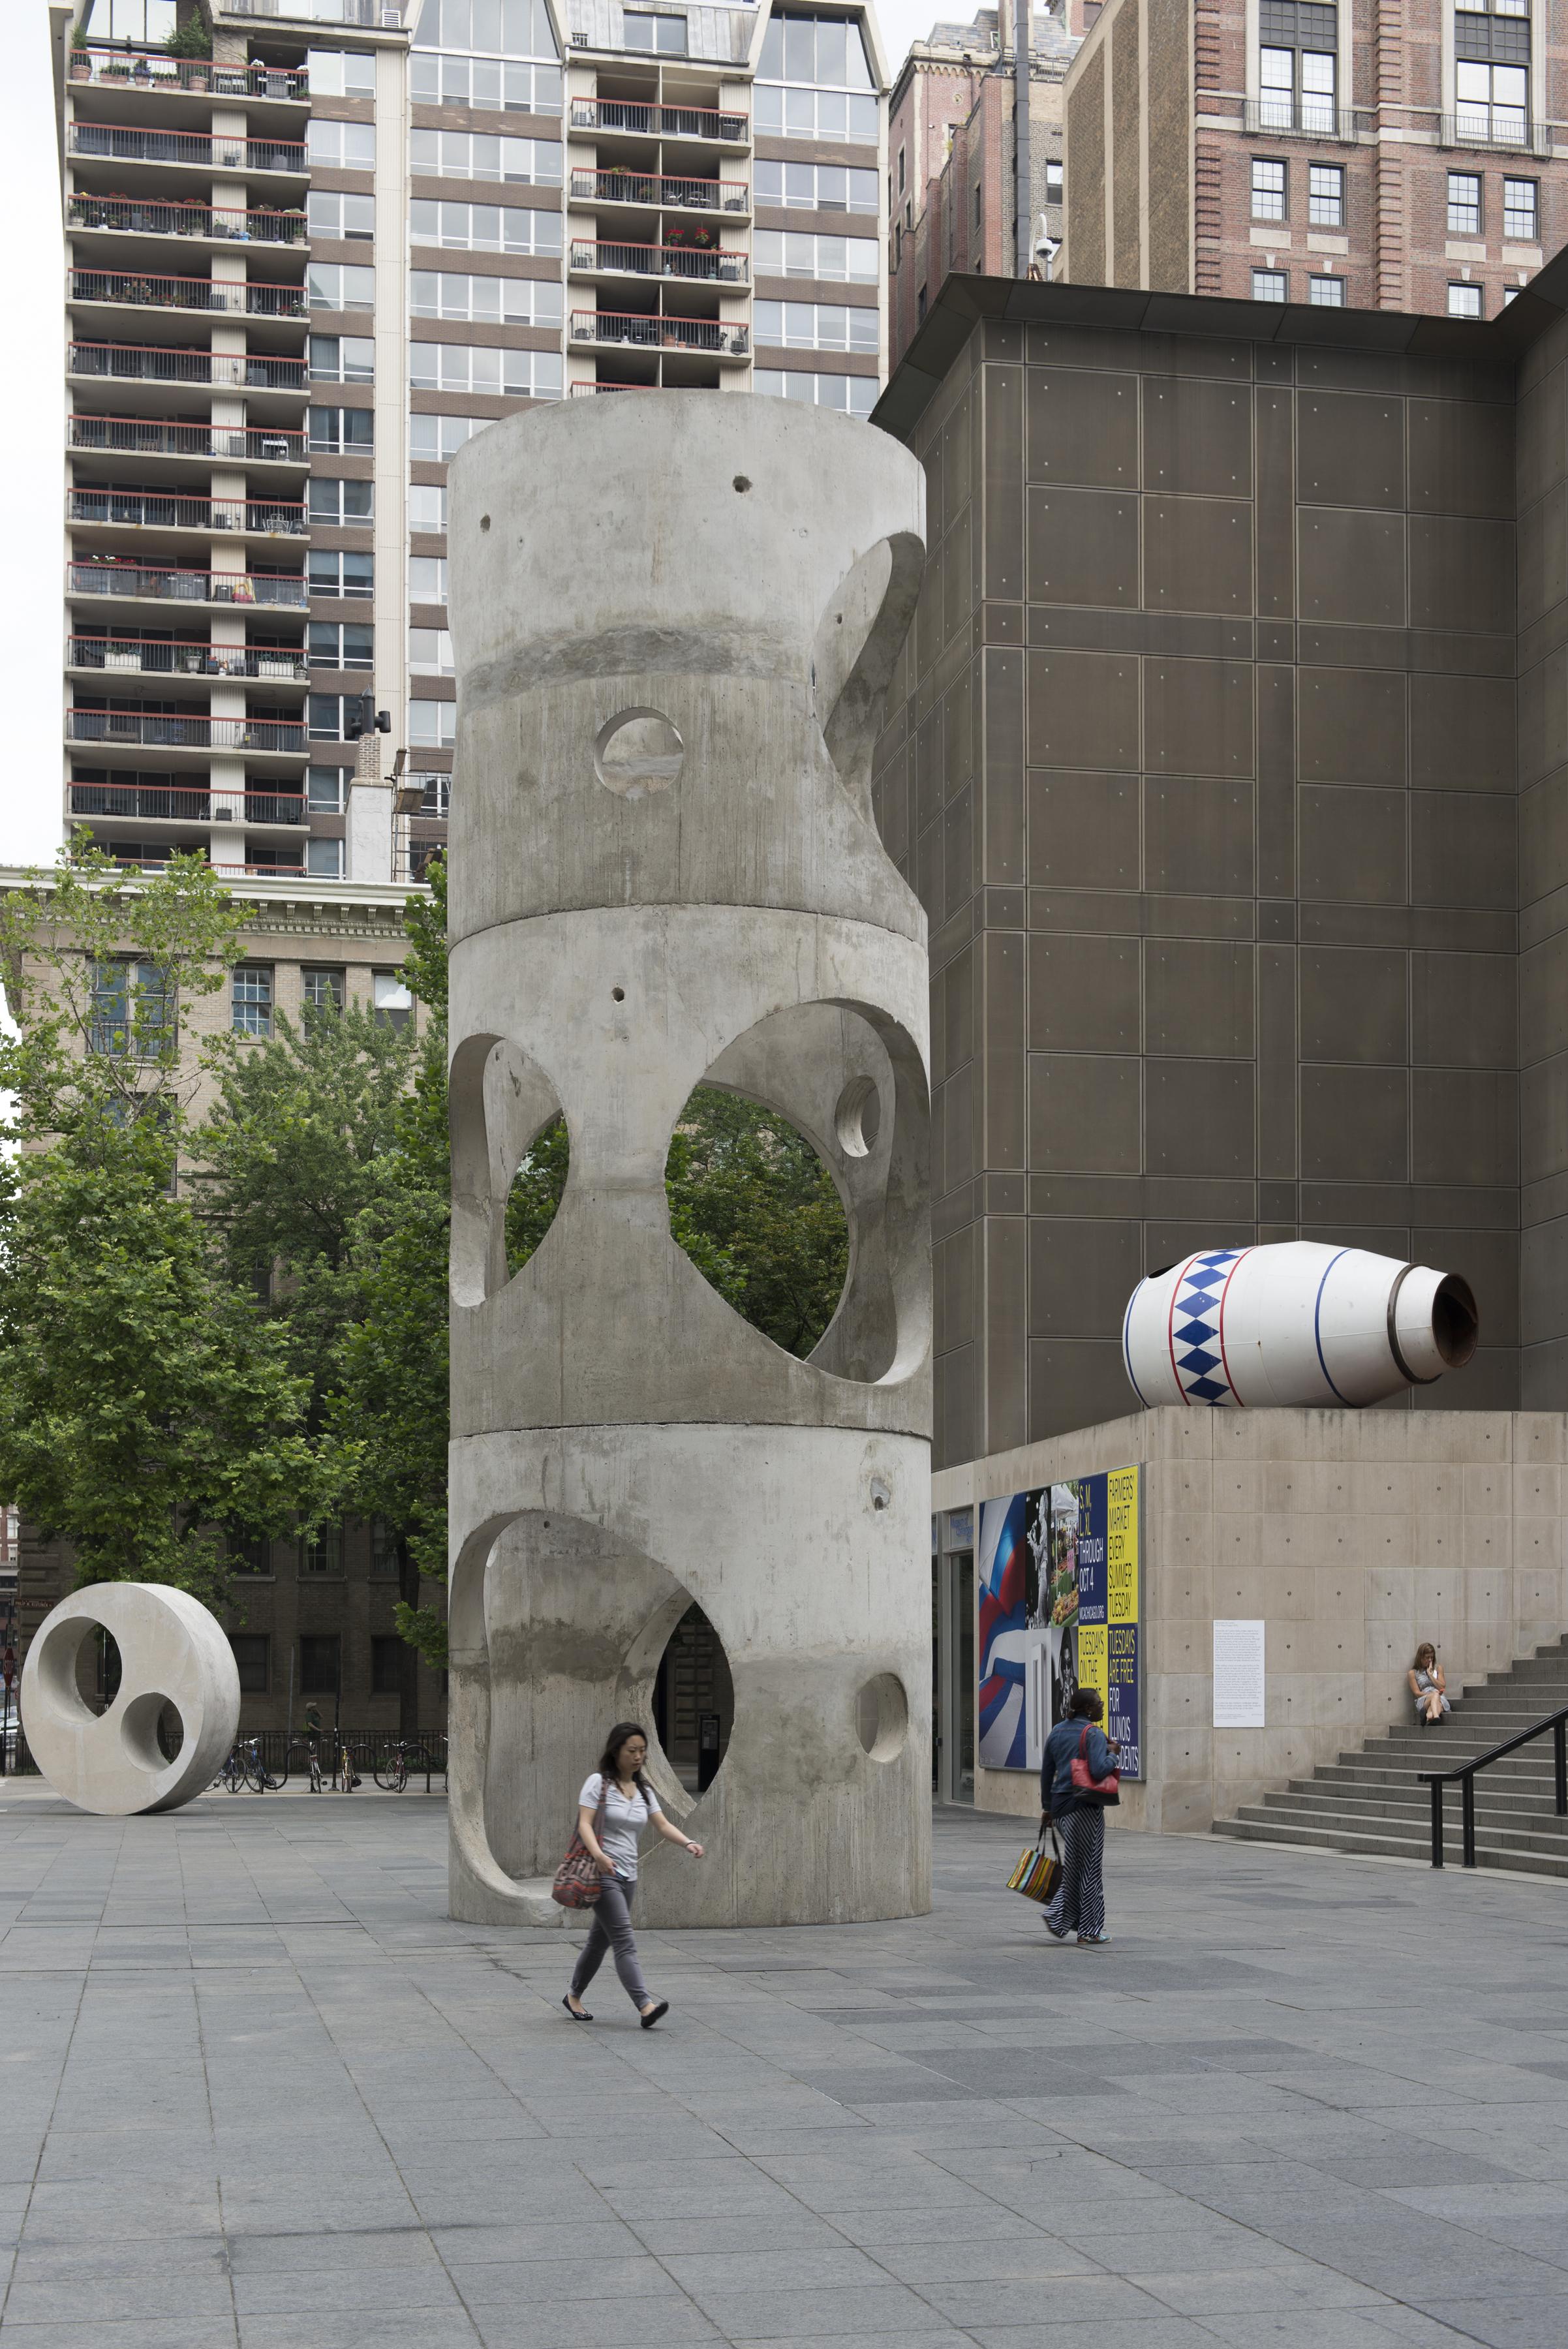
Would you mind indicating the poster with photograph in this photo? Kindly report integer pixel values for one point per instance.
(1058, 1579)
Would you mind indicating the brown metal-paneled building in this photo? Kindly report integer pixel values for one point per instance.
(1229, 755)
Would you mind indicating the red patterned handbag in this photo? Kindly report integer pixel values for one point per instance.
(1107, 1789)
(578, 1879)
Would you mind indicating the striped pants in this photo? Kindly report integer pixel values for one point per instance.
(1080, 1905)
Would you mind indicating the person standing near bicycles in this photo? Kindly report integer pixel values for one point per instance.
(615, 1805)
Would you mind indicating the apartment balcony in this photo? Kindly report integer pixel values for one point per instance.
(196, 150)
(151, 802)
(589, 390)
(175, 513)
(712, 337)
(1498, 127)
(142, 74)
(150, 379)
(132, 727)
(197, 443)
(163, 662)
(157, 585)
(156, 219)
(658, 191)
(651, 118)
(1299, 118)
(117, 302)
(693, 263)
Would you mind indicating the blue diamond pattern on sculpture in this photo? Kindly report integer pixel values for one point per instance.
(1198, 1298)
(1195, 1332)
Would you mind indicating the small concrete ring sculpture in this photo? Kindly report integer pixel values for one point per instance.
(172, 1650)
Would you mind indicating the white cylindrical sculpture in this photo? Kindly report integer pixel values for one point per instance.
(172, 1650)
(1296, 1323)
(675, 619)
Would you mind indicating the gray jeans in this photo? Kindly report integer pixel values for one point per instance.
(611, 1930)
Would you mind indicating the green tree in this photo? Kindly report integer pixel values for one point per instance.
(146, 1408)
(756, 1210)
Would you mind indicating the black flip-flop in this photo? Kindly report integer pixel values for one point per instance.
(656, 2013)
(566, 2001)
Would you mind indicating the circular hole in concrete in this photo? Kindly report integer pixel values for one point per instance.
(617, 994)
(757, 1212)
(484, 522)
(637, 752)
(882, 1716)
(742, 483)
(694, 1701)
(105, 1666)
(858, 1120)
(535, 1192)
(138, 1725)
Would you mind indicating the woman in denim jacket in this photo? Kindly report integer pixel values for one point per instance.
(1079, 1819)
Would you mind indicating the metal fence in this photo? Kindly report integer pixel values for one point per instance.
(427, 1755)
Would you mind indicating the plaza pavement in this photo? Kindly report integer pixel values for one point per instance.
(256, 2089)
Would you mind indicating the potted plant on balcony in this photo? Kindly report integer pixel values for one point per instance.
(81, 64)
(192, 39)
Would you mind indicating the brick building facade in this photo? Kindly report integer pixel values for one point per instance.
(1289, 150)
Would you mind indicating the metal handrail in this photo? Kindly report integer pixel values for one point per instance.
(1478, 129)
(165, 216)
(123, 142)
(153, 69)
(160, 290)
(157, 436)
(1465, 1771)
(707, 264)
(652, 188)
(650, 119)
(155, 362)
(1284, 117)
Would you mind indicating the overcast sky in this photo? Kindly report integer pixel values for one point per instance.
(32, 404)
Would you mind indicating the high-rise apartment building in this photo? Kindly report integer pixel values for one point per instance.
(304, 268)
(1298, 151)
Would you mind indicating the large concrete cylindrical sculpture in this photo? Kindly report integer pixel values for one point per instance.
(675, 617)
(1295, 1323)
(173, 1651)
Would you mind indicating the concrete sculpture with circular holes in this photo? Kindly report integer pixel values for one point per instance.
(675, 619)
(173, 1651)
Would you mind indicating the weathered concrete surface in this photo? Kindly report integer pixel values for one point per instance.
(664, 872)
(172, 1650)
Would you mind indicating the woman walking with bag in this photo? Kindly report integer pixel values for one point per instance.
(1077, 1811)
(615, 1805)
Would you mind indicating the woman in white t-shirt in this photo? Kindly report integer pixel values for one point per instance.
(629, 1803)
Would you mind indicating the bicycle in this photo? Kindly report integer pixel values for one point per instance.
(392, 1769)
(246, 1767)
(312, 1762)
(345, 1778)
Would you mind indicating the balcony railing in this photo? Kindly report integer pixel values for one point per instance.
(156, 656)
(1495, 127)
(730, 341)
(172, 510)
(155, 216)
(138, 289)
(692, 261)
(587, 390)
(142, 436)
(160, 730)
(613, 187)
(198, 804)
(163, 583)
(154, 69)
(651, 120)
(224, 370)
(1297, 118)
(116, 142)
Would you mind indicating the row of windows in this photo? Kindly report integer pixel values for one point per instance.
(1325, 200)
(346, 219)
(519, 28)
(816, 326)
(826, 114)
(494, 373)
(796, 253)
(337, 431)
(254, 1004)
(320, 1663)
(1324, 293)
(485, 301)
(335, 502)
(324, 790)
(1521, 207)
(854, 395)
(340, 146)
(503, 84)
(339, 286)
(826, 51)
(485, 155)
(484, 228)
(816, 186)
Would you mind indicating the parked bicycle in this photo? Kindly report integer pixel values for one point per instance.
(345, 1777)
(392, 1769)
(312, 1762)
(246, 1767)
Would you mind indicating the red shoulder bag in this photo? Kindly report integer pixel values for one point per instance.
(1107, 1789)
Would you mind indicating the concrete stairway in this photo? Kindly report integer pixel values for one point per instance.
(1374, 1802)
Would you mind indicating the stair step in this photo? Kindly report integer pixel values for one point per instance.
(1381, 1846)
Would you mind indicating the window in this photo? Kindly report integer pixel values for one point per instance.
(323, 1553)
(340, 146)
(389, 998)
(334, 430)
(337, 501)
(145, 24)
(977, 203)
(485, 155)
(251, 1553)
(427, 507)
(341, 643)
(1268, 190)
(823, 50)
(816, 186)
(667, 35)
(487, 301)
(324, 860)
(477, 366)
(854, 395)
(253, 999)
(387, 1653)
(343, 219)
(251, 1650)
(132, 1015)
(814, 114)
(1326, 293)
(340, 286)
(1464, 203)
(336, 572)
(1521, 211)
(790, 253)
(324, 790)
(489, 84)
(326, 989)
(518, 27)
(430, 652)
(329, 716)
(1296, 86)
(341, 73)
(1325, 195)
(815, 326)
(342, 358)
(1053, 183)
(384, 1559)
(484, 228)
(1490, 102)
(436, 440)
(319, 1655)
(1464, 301)
(901, 174)
(437, 799)
(426, 579)
(432, 725)
(1269, 285)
